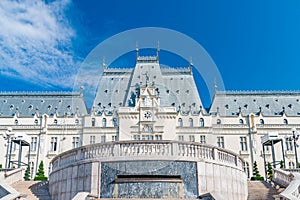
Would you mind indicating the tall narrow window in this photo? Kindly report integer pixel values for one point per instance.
(192, 138)
(31, 170)
(201, 122)
(93, 121)
(241, 121)
(261, 121)
(202, 139)
(104, 122)
(191, 122)
(243, 144)
(103, 138)
(220, 142)
(285, 121)
(114, 138)
(180, 138)
(36, 122)
(246, 169)
(33, 144)
(180, 122)
(75, 142)
(16, 122)
(291, 165)
(55, 121)
(53, 144)
(92, 139)
(288, 144)
(115, 123)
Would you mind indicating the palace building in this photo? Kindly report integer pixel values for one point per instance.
(154, 115)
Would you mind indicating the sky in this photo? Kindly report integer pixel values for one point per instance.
(254, 44)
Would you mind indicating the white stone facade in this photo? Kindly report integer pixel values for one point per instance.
(152, 115)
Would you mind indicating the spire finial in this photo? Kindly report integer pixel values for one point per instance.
(191, 65)
(157, 50)
(137, 49)
(215, 85)
(103, 62)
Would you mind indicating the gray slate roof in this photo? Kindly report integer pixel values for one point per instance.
(26, 104)
(269, 103)
(176, 86)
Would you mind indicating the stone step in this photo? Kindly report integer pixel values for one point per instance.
(261, 190)
(33, 189)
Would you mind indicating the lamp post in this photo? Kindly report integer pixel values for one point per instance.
(295, 138)
(7, 136)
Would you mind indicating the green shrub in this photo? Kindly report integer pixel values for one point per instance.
(40, 176)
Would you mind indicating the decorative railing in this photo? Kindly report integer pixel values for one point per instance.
(289, 180)
(148, 150)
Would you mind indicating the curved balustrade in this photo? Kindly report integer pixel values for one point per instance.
(289, 180)
(149, 150)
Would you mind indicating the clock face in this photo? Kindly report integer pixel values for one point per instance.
(147, 115)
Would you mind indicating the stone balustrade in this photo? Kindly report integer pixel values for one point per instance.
(289, 180)
(148, 150)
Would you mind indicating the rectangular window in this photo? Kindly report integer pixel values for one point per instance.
(114, 138)
(202, 139)
(92, 139)
(103, 138)
(220, 142)
(158, 137)
(33, 144)
(75, 142)
(136, 137)
(192, 138)
(53, 144)
(180, 138)
(243, 144)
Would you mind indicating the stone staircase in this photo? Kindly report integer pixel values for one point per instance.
(261, 190)
(33, 190)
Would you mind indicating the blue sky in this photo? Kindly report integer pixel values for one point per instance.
(255, 44)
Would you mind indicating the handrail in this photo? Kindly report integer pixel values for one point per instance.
(141, 150)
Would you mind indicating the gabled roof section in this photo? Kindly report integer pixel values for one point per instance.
(27, 104)
(267, 103)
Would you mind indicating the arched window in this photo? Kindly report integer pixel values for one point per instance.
(285, 121)
(261, 121)
(76, 121)
(191, 122)
(291, 165)
(93, 121)
(201, 122)
(180, 122)
(104, 122)
(115, 123)
(241, 121)
(218, 121)
(36, 122)
(55, 121)
(16, 122)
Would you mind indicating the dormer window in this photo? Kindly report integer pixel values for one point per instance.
(11, 107)
(268, 106)
(290, 106)
(105, 91)
(226, 106)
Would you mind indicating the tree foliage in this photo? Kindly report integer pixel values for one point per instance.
(40, 176)
(256, 176)
(270, 171)
(27, 174)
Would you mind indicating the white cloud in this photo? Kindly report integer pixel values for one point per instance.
(35, 42)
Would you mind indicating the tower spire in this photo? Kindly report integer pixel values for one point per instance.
(157, 50)
(137, 49)
(103, 62)
(215, 85)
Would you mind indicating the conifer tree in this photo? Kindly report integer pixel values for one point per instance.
(270, 171)
(40, 176)
(27, 174)
(256, 176)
